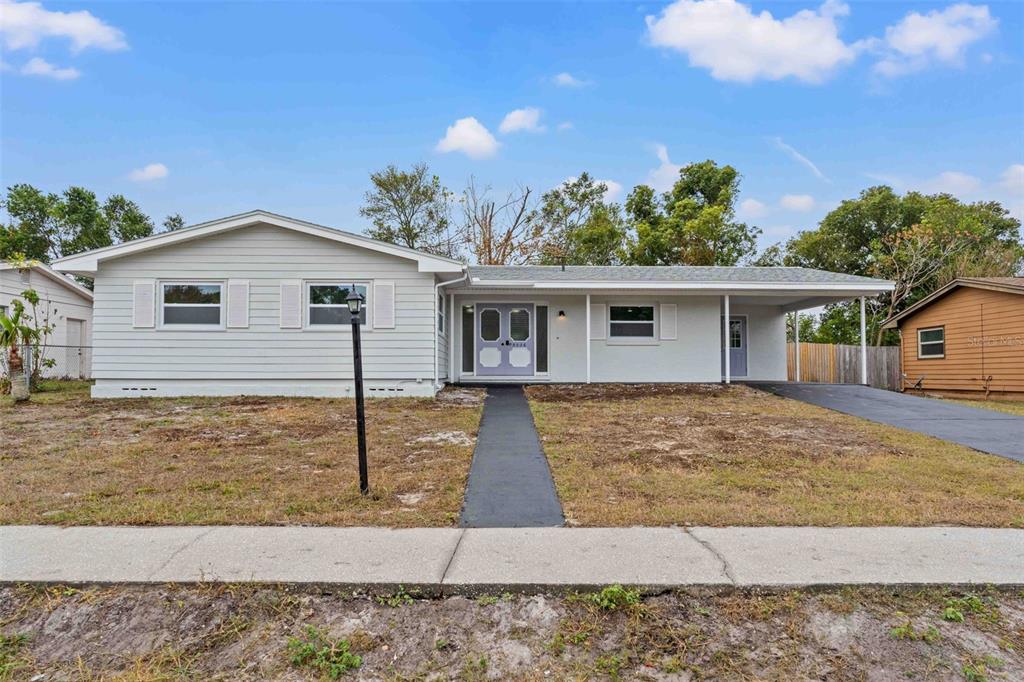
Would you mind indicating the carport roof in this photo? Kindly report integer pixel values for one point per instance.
(691, 274)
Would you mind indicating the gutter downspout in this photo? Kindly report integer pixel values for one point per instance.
(448, 327)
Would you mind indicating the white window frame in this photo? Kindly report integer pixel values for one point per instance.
(221, 284)
(920, 344)
(442, 318)
(652, 340)
(364, 328)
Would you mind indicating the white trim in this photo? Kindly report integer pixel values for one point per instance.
(851, 287)
(796, 338)
(920, 356)
(365, 326)
(88, 261)
(863, 345)
(451, 338)
(725, 340)
(57, 277)
(587, 337)
(221, 307)
(652, 340)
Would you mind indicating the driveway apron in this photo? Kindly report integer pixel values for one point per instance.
(510, 484)
(987, 430)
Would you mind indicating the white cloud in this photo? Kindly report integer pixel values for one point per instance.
(469, 136)
(527, 119)
(664, 176)
(25, 24)
(153, 171)
(566, 125)
(1012, 179)
(951, 182)
(735, 44)
(614, 190)
(567, 80)
(942, 36)
(752, 208)
(797, 156)
(41, 67)
(797, 202)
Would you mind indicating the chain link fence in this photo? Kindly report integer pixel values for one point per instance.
(51, 361)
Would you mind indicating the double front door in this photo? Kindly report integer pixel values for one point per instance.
(504, 339)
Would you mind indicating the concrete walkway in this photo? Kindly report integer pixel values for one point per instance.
(997, 433)
(438, 560)
(510, 485)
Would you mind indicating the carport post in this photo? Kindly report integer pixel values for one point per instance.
(725, 336)
(863, 346)
(586, 335)
(796, 338)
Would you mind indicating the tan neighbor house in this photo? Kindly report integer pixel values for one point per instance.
(966, 338)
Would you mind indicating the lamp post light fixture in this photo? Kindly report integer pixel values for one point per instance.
(355, 306)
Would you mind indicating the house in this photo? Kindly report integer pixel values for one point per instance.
(254, 304)
(65, 305)
(966, 338)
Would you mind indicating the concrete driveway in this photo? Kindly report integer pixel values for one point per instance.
(990, 431)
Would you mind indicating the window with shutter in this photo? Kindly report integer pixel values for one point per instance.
(144, 303)
(238, 303)
(383, 305)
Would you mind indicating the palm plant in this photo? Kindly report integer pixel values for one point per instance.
(14, 334)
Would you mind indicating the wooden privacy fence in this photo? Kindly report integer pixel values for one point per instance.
(828, 363)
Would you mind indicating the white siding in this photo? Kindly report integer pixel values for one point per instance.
(264, 256)
(63, 304)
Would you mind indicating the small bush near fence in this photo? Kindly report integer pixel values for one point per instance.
(828, 363)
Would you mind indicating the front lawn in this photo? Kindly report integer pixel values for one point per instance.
(658, 455)
(1008, 406)
(71, 460)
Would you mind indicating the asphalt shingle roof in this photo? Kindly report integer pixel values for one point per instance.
(663, 273)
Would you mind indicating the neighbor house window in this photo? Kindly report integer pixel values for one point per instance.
(327, 304)
(931, 343)
(192, 303)
(631, 321)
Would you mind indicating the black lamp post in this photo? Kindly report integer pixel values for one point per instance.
(355, 305)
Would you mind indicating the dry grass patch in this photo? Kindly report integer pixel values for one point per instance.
(71, 460)
(1008, 406)
(658, 455)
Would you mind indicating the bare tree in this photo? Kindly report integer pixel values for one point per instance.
(505, 233)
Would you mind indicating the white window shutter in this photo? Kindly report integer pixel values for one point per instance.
(238, 303)
(144, 303)
(597, 323)
(383, 305)
(668, 322)
(291, 304)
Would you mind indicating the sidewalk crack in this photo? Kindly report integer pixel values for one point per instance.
(726, 568)
(181, 549)
(447, 567)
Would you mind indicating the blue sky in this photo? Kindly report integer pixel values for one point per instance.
(210, 109)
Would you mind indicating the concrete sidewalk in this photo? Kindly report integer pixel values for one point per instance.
(487, 559)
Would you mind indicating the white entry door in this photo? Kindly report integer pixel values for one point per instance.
(74, 365)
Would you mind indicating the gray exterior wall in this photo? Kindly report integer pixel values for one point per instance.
(694, 356)
(263, 358)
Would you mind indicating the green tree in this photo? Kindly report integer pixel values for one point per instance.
(581, 228)
(125, 220)
(49, 226)
(32, 231)
(410, 208)
(173, 222)
(917, 241)
(693, 223)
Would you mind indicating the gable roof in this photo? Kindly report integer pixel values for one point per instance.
(47, 271)
(636, 276)
(88, 261)
(1010, 285)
